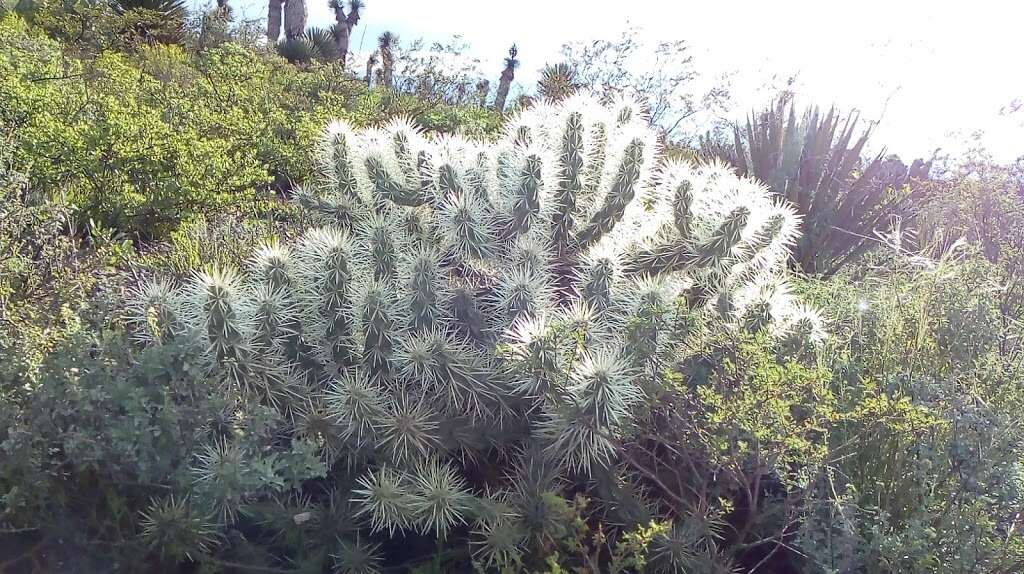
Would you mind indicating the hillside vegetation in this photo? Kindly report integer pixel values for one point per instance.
(264, 308)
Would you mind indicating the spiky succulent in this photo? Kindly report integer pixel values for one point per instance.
(172, 528)
(688, 547)
(463, 300)
(154, 312)
(386, 498)
(355, 404)
(814, 160)
(223, 477)
(408, 428)
(499, 542)
(442, 497)
(357, 557)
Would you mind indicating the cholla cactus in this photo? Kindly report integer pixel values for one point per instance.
(222, 476)
(461, 296)
(386, 497)
(499, 542)
(154, 308)
(171, 528)
(357, 557)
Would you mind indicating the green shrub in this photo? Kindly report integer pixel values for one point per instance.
(124, 148)
(924, 471)
(46, 276)
(141, 142)
(984, 206)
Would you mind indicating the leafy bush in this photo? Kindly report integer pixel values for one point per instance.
(661, 73)
(729, 453)
(983, 204)
(89, 27)
(142, 142)
(46, 276)
(924, 469)
(119, 146)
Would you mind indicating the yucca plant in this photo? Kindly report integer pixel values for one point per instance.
(313, 45)
(558, 81)
(275, 13)
(371, 63)
(387, 44)
(471, 325)
(161, 21)
(343, 24)
(845, 198)
(815, 161)
(295, 15)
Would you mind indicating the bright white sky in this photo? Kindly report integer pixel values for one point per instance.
(932, 72)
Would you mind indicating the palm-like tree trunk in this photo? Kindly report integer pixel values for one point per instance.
(295, 15)
(483, 87)
(507, 75)
(343, 24)
(274, 8)
(371, 63)
(386, 44)
(342, 35)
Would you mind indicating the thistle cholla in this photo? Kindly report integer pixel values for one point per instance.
(463, 298)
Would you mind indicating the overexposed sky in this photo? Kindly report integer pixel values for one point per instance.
(931, 72)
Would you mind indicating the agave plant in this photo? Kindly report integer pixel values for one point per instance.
(816, 164)
(466, 308)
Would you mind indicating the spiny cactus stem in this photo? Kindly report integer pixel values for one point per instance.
(570, 182)
(387, 189)
(448, 183)
(725, 239)
(669, 256)
(622, 192)
(527, 203)
(682, 203)
(342, 174)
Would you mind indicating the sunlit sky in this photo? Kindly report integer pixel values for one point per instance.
(931, 73)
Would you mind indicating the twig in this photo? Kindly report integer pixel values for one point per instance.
(19, 530)
(250, 568)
